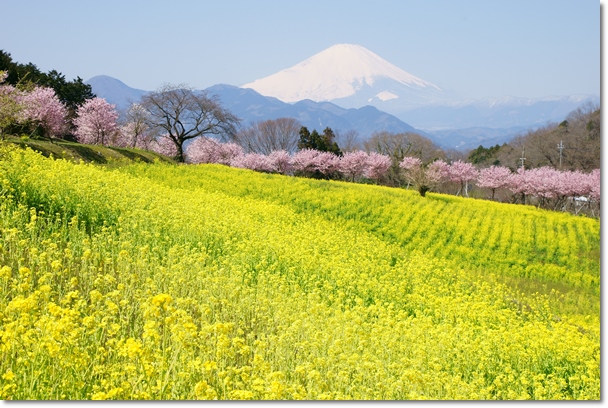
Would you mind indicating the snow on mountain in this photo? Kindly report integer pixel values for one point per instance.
(386, 96)
(350, 76)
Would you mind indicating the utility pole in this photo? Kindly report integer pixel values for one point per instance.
(560, 147)
(523, 168)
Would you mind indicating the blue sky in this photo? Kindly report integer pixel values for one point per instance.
(477, 48)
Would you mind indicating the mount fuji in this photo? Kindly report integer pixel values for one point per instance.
(348, 87)
(350, 76)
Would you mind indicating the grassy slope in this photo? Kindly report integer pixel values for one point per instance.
(88, 153)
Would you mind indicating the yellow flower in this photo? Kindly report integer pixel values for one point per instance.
(210, 365)
(95, 295)
(133, 347)
(162, 300)
(5, 272)
(8, 376)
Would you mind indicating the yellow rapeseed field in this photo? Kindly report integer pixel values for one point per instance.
(207, 282)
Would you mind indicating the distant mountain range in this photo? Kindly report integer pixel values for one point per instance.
(115, 91)
(351, 76)
(347, 87)
(250, 107)
(505, 112)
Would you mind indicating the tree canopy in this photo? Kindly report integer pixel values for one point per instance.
(270, 135)
(71, 93)
(323, 143)
(182, 114)
(578, 136)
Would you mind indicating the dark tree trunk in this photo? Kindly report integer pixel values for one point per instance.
(422, 190)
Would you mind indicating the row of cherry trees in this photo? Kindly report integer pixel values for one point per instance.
(182, 113)
(96, 122)
(544, 186)
(353, 166)
(40, 109)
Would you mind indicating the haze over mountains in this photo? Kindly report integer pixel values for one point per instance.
(349, 87)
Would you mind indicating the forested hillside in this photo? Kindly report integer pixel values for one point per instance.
(573, 144)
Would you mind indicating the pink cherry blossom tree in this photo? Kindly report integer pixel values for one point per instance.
(203, 150)
(462, 173)
(424, 178)
(440, 169)
(574, 183)
(164, 145)
(280, 161)
(96, 122)
(314, 163)
(354, 165)
(128, 135)
(519, 184)
(10, 103)
(493, 177)
(304, 161)
(573, 187)
(377, 166)
(414, 172)
(136, 129)
(543, 183)
(594, 185)
(42, 108)
(328, 164)
(228, 152)
(593, 182)
(436, 171)
(207, 150)
(253, 161)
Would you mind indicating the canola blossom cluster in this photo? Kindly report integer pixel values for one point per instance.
(209, 282)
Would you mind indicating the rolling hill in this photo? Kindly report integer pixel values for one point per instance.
(159, 281)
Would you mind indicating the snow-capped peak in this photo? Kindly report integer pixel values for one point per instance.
(337, 72)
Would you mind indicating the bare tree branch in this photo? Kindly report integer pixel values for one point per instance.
(183, 114)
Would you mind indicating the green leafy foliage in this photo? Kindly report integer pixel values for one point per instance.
(485, 155)
(72, 93)
(323, 143)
